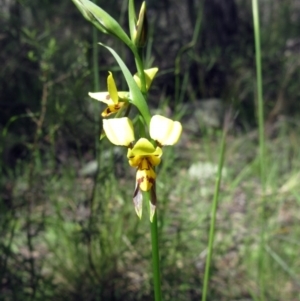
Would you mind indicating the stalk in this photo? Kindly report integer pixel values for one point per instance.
(155, 259)
(213, 215)
(146, 196)
(262, 149)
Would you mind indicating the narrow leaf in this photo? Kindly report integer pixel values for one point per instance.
(136, 96)
(131, 18)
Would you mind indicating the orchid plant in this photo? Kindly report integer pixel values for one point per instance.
(146, 153)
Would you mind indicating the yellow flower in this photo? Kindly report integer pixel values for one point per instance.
(115, 99)
(144, 156)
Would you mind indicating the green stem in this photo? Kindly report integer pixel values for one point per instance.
(259, 91)
(213, 216)
(262, 149)
(155, 259)
(138, 54)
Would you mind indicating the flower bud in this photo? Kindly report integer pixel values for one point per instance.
(141, 30)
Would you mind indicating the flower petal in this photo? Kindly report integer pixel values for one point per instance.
(149, 74)
(103, 97)
(138, 200)
(119, 131)
(154, 159)
(143, 147)
(112, 109)
(134, 161)
(152, 211)
(112, 89)
(145, 178)
(123, 95)
(164, 130)
(152, 202)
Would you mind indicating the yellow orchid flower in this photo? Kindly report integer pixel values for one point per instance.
(113, 98)
(144, 156)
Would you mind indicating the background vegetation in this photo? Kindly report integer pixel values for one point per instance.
(58, 244)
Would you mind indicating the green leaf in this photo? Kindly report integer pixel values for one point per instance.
(102, 20)
(131, 18)
(89, 16)
(137, 97)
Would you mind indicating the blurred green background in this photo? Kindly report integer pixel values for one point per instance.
(67, 224)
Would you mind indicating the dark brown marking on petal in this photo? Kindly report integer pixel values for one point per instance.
(140, 180)
(151, 180)
(107, 112)
(104, 113)
(136, 190)
(158, 144)
(153, 198)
